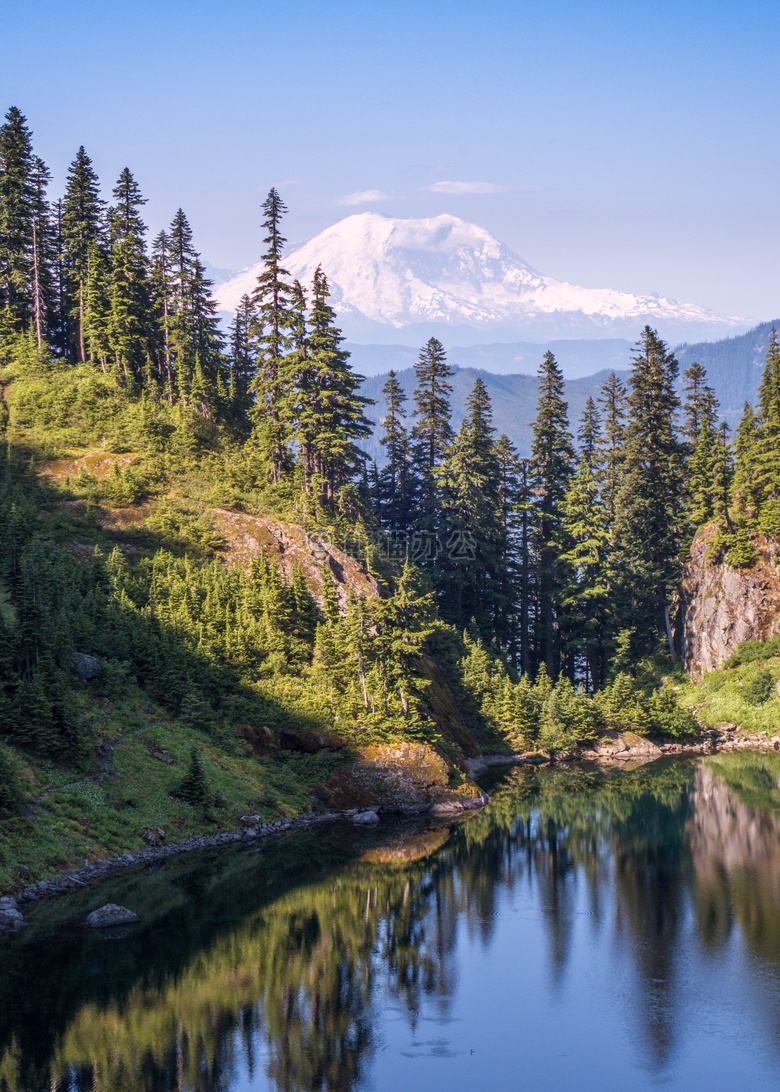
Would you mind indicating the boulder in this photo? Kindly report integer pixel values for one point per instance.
(624, 746)
(292, 739)
(10, 920)
(8, 902)
(400, 777)
(111, 915)
(365, 818)
(87, 667)
(153, 836)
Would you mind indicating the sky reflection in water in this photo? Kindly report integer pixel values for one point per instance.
(590, 930)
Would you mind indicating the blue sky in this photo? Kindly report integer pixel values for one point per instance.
(631, 145)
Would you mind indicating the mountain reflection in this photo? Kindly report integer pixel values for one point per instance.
(281, 965)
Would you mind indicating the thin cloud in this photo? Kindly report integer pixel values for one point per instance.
(459, 188)
(364, 197)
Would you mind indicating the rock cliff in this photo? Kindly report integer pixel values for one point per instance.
(721, 606)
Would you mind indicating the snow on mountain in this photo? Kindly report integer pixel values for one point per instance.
(395, 274)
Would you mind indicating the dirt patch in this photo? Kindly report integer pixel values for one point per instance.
(99, 464)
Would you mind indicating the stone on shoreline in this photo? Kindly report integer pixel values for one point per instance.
(365, 818)
(111, 915)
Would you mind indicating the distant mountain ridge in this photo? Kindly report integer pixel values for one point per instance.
(406, 279)
(733, 365)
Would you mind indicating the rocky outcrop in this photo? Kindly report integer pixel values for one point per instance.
(721, 606)
(400, 777)
(624, 746)
(246, 537)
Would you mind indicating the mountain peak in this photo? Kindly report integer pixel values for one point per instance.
(440, 271)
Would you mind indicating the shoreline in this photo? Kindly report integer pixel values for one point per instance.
(619, 751)
(91, 874)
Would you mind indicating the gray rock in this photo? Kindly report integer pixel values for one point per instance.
(153, 836)
(450, 808)
(365, 819)
(87, 667)
(8, 902)
(110, 915)
(10, 920)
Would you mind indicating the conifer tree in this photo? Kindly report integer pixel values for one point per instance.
(83, 213)
(648, 521)
(97, 315)
(272, 304)
(395, 483)
(43, 258)
(510, 625)
(195, 342)
(614, 403)
(745, 487)
(700, 405)
(129, 283)
(585, 614)
(17, 200)
(331, 413)
(241, 358)
(432, 432)
(552, 458)
(473, 517)
(766, 454)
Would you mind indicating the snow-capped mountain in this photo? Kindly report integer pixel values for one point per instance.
(391, 275)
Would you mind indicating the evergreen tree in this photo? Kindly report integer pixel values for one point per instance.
(614, 402)
(395, 483)
(17, 201)
(82, 230)
(585, 599)
(195, 341)
(648, 521)
(272, 303)
(552, 458)
(511, 627)
(745, 491)
(129, 283)
(331, 412)
(766, 454)
(700, 405)
(473, 517)
(431, 434)
(241, 357)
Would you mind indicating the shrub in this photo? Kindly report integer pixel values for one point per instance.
(193, 787)
(759, 688)
(10, 794)
(749, 652)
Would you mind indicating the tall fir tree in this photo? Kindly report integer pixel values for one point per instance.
(649, 521)
(699, 405)
(17, 199)
(129, 283)
(473, 518)
(273, 321)
(82, 229)
(331, 412)
(431, 434)
(613, 401)
(552, 458)
(395, 482)
(585, 613)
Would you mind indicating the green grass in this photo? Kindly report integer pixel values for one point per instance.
(87, 815)
(728, 695)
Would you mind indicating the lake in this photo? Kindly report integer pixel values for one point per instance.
(591, 929)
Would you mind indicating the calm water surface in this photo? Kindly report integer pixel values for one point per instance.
(589, 930)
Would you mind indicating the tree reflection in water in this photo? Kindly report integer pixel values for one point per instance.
(276, 963)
